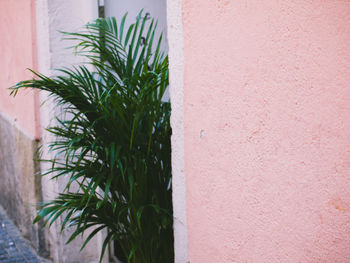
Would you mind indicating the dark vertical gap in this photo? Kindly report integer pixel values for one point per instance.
(42, 248)
(101, 9)
(101, 15)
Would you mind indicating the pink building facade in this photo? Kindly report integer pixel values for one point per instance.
(260, 94)
(265, 105)
(19, 51)
(19, 118)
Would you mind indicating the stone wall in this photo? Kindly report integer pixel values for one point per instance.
(20, 189)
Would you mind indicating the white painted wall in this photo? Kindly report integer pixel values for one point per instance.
(156, 9)
(176, 68)
(53, 53)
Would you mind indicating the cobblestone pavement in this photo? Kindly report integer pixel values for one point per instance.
(13, 248)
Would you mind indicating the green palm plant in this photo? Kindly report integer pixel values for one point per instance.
(116, 143)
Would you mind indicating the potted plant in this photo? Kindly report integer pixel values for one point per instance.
(116, 144)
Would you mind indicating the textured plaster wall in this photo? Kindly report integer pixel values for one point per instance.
(267, 130)
(18, 52)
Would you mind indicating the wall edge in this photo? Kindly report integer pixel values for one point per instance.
(176, 78)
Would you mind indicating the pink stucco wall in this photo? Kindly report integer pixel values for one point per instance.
(267, 130)
(17, 53)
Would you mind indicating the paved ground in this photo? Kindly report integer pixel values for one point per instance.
(13, 248)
